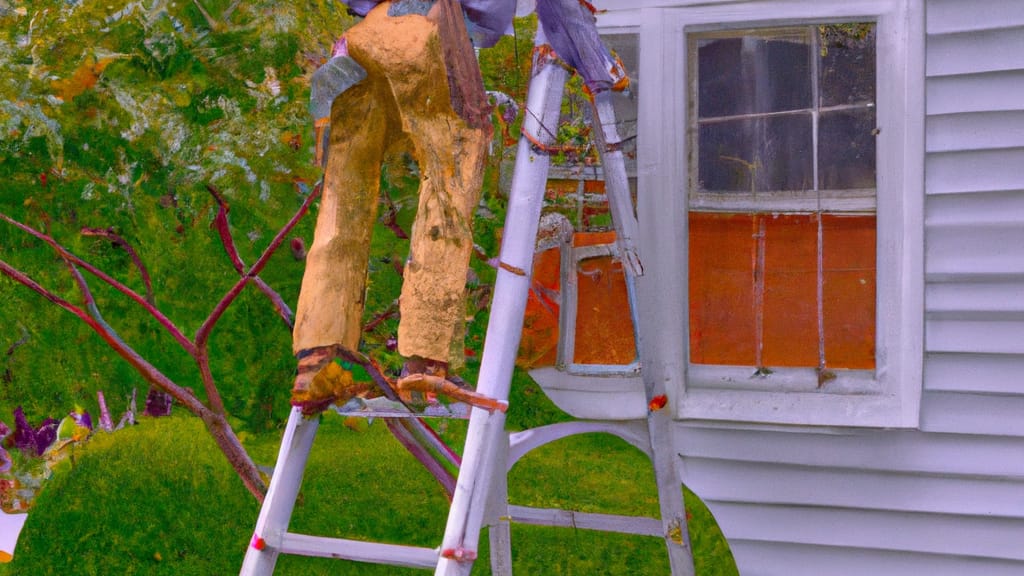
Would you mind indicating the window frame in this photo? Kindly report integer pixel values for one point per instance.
(892, 397)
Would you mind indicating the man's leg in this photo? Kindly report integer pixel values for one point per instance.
(407, 51)
(330, 306)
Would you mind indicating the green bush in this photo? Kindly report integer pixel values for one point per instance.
(158, 498)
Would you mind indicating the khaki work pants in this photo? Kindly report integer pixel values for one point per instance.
(405, 97)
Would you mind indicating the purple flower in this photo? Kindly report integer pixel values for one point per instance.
(105, 422)
(5, 458)
(81, 418)
(33, 440)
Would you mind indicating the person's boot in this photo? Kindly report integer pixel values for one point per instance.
(313, 395)
(419, 365)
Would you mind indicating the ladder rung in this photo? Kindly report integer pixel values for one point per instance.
(384, 408)
(358, 550)
(639, 525)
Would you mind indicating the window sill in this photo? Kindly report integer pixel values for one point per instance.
(796, 408)
(782, 380)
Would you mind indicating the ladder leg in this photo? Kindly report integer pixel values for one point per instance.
(487, 430)
(499, 523)
(261, 556)
(670, 495)
(659, 422)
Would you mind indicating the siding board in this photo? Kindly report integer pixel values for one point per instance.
(980, 336)
(998, 538)
(984, 92)
(974, 131)
(754, 558)
(965, 413)
(974, 171)
(946, 16)
(881, 450)
(780, 484)
(952, 298)
(976, 51)
(1001, 207)
(984, 373)
(975, 249)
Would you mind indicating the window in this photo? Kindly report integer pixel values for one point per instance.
(782, 199)
(781, 190)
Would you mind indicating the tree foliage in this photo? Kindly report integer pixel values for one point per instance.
(117, 115)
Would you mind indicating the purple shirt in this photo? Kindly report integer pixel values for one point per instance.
(568, 25)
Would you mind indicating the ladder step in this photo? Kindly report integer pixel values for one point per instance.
(359, 551)
(639, 525)
(384, 408)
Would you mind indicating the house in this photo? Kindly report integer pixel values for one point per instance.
(831, 202)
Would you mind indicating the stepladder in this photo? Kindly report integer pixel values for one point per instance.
(480, 496)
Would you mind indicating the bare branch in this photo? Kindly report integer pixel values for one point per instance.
(120, 242)
(390, 312)
(220, 223)
(144, 368)
(147, 370)
(279, 304)
(164, 321)
(203, 334)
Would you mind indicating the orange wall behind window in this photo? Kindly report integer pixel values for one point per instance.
(725, 309)
(604, 325)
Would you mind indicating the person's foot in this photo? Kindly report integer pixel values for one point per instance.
(313, 395)
(423, 379)
(419, 365)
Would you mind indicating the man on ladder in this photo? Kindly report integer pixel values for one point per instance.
(398, 63)
(383, 87)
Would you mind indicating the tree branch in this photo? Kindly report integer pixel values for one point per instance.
(220, 223)
(203, 334)
(164, 321)
(109, 234)
(144, 368)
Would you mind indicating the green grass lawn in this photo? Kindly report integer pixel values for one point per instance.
(160, 499)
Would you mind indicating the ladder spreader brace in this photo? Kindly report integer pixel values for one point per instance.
(481, 496)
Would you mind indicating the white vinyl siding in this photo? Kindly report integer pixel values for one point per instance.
(947, 499)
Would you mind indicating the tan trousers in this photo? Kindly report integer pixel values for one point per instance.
(404, 97)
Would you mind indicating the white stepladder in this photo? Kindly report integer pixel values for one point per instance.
(481, 496)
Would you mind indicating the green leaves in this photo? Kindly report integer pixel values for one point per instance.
(117, 115)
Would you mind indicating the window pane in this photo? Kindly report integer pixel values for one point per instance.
(849, 275)
(847, 63)
(756, 154)
(604, 328)
(846, 149)
(753, 74)
(723, 327)
(790, 332)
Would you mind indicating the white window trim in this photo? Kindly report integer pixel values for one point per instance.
(893, 397)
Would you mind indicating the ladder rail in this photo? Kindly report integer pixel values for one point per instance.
(276, 512)
(508, 306)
